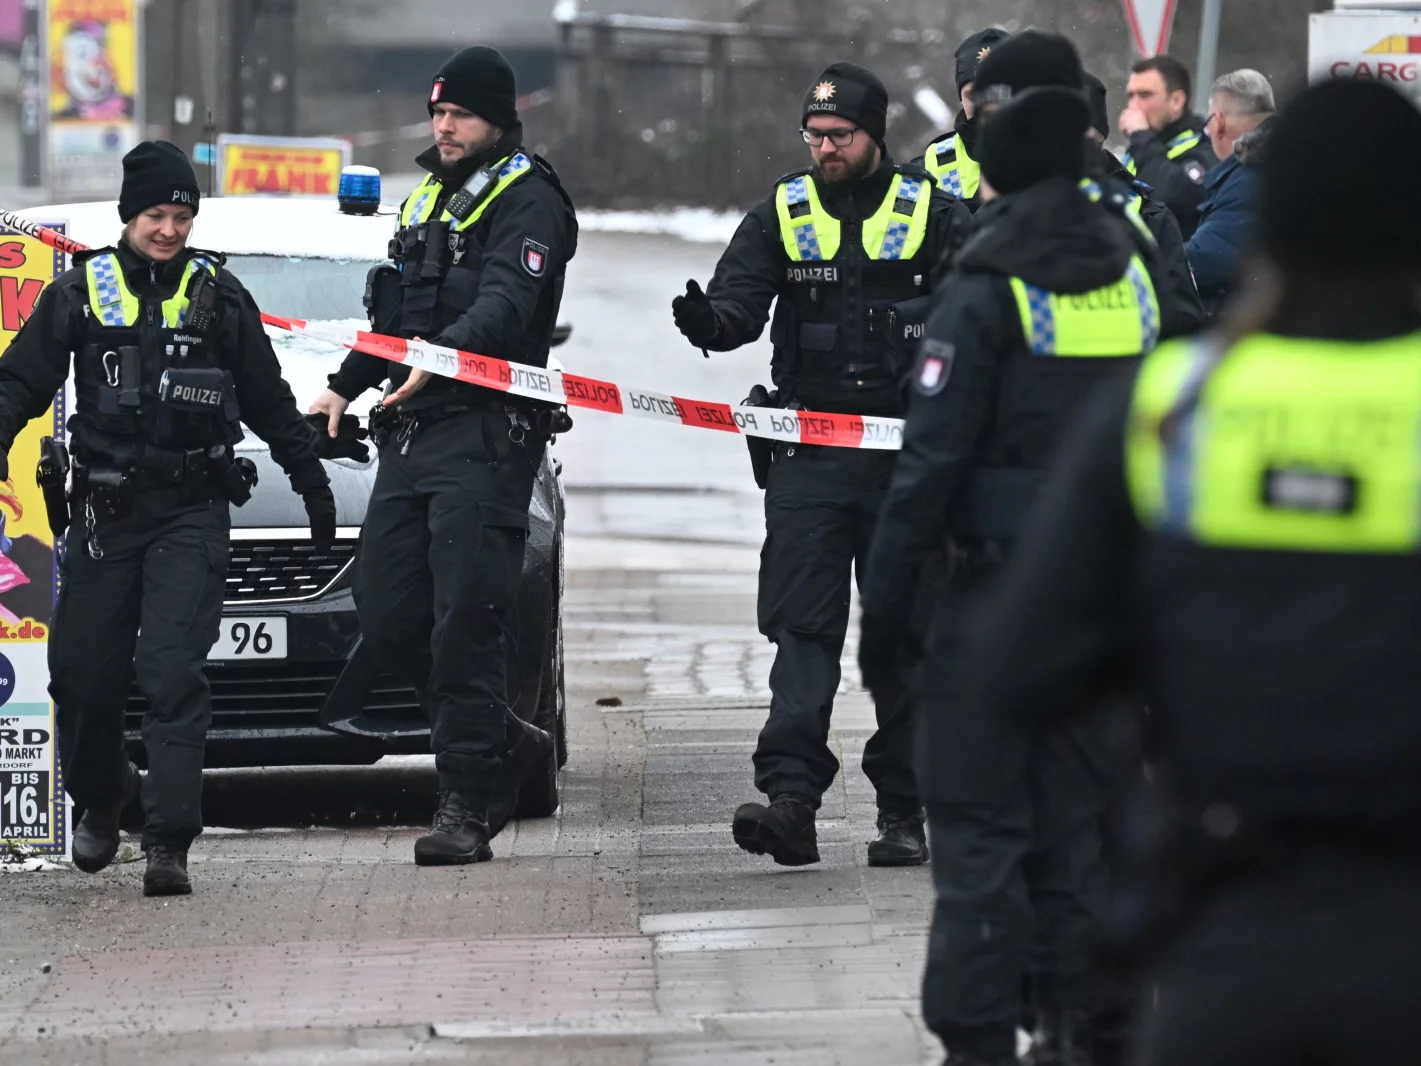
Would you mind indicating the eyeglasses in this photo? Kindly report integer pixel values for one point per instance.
(841, 138)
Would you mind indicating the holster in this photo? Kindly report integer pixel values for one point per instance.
(382, 298)
(52, 475)
(762, 450)
(237, 477)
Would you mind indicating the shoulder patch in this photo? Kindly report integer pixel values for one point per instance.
(535, 257)
(934, 367)
(1194, 170)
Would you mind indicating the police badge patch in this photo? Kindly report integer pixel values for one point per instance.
(535, 257)
(934, 367)
(1195, 171)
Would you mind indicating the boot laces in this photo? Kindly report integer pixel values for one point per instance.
(452, 813)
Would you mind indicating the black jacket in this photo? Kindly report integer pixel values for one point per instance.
(1051, 236)
(513, 307)
(1283, 684)
(35, 365)
(1179, 182)
(751, 271)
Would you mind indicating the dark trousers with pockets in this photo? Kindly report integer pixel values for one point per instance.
(1315, 964)
(436, 586)
(1014, 817)
(152, 605)
(821, 505)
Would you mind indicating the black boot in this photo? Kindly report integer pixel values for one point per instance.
(167, 872)
(784, 830)
(902, 840)
(96, 836)
(460, 834)
(1062, 1038)
(531, 749)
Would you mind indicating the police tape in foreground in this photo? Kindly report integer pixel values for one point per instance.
(557, 387)
(574, 390)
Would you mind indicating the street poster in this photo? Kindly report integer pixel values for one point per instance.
(32, 802)
(294, 166)
(93, 94)
(1382, 46)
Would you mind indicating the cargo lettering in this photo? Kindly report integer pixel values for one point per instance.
(1380, 71)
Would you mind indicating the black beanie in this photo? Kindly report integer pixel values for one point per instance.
(852, 93)
(972, 51)
(156, 172)
(1030, 58)
(480, 80)
(1099, 112)
(1357, 218)
(1035, 136)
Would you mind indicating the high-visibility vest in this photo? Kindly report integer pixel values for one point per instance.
(895, 231)
(956, 171)
(419, 205)
(113, 302)
(1134, 205)
(1173, 149)
(1119, 319)
(1282, 443)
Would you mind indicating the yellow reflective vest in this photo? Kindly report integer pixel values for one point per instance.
(1120, 319)
(956, 172)
(895, 231)
(114, 304)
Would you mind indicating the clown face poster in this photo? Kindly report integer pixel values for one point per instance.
(93, 51)
(32, 807)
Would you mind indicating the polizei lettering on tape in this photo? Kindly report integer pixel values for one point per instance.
(656, 405)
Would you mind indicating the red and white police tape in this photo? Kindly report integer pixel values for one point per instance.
(574, 390)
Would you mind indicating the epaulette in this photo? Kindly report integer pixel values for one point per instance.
(80, 258)
(792, 175)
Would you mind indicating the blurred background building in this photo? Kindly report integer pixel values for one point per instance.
(637, 102)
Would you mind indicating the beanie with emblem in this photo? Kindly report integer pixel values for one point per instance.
(479, 80)
(1365, 222)
(1033, 137)
(1030, 59)
(972, 51)
(853, 93)
(154, 173)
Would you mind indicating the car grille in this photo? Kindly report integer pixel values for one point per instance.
(284, 571)
(281, 695)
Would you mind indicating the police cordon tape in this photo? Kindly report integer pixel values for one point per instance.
(572, 390)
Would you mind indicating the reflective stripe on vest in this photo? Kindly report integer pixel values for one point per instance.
(419, 205)
(895, 231)
(114, 304)
(1177, 146)
(956, 171)
(1292, 445)
(1118, 320)
(1134, 205)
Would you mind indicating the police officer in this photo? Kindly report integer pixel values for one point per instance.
(846, 251)
(479, 262)
(1235, 531)
(1052, 297)
(169, 353)
(1168, 149)
(950, 158)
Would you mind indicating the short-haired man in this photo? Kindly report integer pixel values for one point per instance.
(1168, 150)
(1240, 113)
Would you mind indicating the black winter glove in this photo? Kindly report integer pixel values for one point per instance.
(887, 648)
(346, 444)
(321, 510)
(695, 317)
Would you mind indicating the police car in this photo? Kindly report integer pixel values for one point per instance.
(290, 682)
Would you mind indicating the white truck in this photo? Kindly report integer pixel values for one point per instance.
(1379, 40)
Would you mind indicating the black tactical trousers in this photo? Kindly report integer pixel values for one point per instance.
(820, 508)
(436, 587)
(1014, 817)
(1318, 964)
(152, 605)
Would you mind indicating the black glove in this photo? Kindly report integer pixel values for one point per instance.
(887, 649)
(695, 317)
(4, 464)
(321, 510)
(346, 444)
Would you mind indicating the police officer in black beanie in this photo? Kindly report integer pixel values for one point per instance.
(951, 159)
(1260, 589)
(846, 251)
(169, 355)
(479, 261)
(1052, 297)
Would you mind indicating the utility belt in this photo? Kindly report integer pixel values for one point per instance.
(532, 423)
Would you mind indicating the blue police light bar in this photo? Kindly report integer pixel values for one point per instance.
(359, 192)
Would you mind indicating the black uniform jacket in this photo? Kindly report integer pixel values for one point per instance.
(35, 365)
(1179, 182)
(1283, 684)
(751, 272)
(1051, 236)
(516, 302)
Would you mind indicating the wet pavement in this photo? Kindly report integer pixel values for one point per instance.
(628, 928)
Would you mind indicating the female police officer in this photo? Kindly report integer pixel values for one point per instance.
(1235, 532)
(169, 354)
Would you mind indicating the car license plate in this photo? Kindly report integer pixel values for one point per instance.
(260, 637)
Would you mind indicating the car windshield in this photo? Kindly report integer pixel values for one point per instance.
(304, 288)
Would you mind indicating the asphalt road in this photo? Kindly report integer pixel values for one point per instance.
(628, 928)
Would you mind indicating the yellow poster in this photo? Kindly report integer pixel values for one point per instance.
(31, 793)
(295, 166)
(93, 91)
